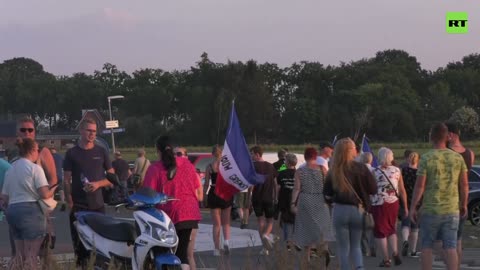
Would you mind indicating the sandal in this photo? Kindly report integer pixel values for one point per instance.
(396, 259)
(385, 263)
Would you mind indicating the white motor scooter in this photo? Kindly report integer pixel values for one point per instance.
(149, 243)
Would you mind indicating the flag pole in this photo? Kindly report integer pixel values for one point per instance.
(363, 139)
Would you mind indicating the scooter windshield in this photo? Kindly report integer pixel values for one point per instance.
(147, 196)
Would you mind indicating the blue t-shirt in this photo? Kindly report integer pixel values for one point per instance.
(4, 166)
(92, 164)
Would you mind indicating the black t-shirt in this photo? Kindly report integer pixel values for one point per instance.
(265, 193)
(286, 180)
(92, 164)
(278, 164)
(121, 169)
(409, 178)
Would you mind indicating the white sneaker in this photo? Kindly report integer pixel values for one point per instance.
(216, 252)
(264, 252)
(274, 237)
(268, 241)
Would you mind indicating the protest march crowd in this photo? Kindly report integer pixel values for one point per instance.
(339, 202)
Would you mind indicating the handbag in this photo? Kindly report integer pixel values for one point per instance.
(47, 205)
(137, 177)
(368, 221)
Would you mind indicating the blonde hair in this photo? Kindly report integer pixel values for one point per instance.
(25, 119)
(413, 158)
(341, 163)
(217, 151)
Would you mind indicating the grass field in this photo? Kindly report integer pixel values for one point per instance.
(397, 148)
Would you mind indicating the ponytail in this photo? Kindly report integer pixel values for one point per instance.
(167, 156)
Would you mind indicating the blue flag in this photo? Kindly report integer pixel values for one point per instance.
(366, 149)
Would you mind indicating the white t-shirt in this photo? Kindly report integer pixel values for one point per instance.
(22, 181)
(320, 161)
(386, 192)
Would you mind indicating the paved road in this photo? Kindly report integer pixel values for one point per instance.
(244, 255)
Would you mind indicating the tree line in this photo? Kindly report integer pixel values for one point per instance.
(389, 97)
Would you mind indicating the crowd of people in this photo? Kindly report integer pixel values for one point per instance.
(327, 199)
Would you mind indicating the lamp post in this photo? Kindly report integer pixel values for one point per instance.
(109, 98)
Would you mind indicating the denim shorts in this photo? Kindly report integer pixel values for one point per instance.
(26, 221)
(439, 228)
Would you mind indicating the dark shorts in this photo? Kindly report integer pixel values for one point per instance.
(184, 231)
(385, 217)
(264, 209)
(215, 202)
(243, 200)
(26, 221)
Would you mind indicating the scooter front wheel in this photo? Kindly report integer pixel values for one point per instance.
(150, 265)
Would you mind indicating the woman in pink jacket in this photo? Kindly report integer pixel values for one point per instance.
(176, 177)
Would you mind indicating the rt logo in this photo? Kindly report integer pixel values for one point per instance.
(457, 22)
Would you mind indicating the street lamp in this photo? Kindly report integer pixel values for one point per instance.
(110, 110)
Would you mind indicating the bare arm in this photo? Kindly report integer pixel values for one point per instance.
(67, 185)
(403, 194)
(418, 191)
(199, 190)
(48, 164)
(93, 186)
(45, 192)
(463, 192)
(417, 195)
(207, 178)
(473, 157)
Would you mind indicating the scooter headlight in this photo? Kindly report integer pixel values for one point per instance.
(165, 235)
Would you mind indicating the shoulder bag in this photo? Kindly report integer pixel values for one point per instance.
(47, 205)
(368, 222)
(388, 179)
(137, 177)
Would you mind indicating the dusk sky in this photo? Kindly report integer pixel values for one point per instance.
(80, 36)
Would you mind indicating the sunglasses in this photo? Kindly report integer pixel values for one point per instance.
(30, 130)
(179, 154)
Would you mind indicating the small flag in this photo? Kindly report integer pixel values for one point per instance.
(366, 149)
(335, 140)
(237, 172)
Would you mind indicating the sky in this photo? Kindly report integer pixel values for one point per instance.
(80, 36)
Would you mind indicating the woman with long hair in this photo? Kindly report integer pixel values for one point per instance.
(176, 177)
(25, 184)
(386, 204)
(219, 208)
(349, 184)
(409, 228)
